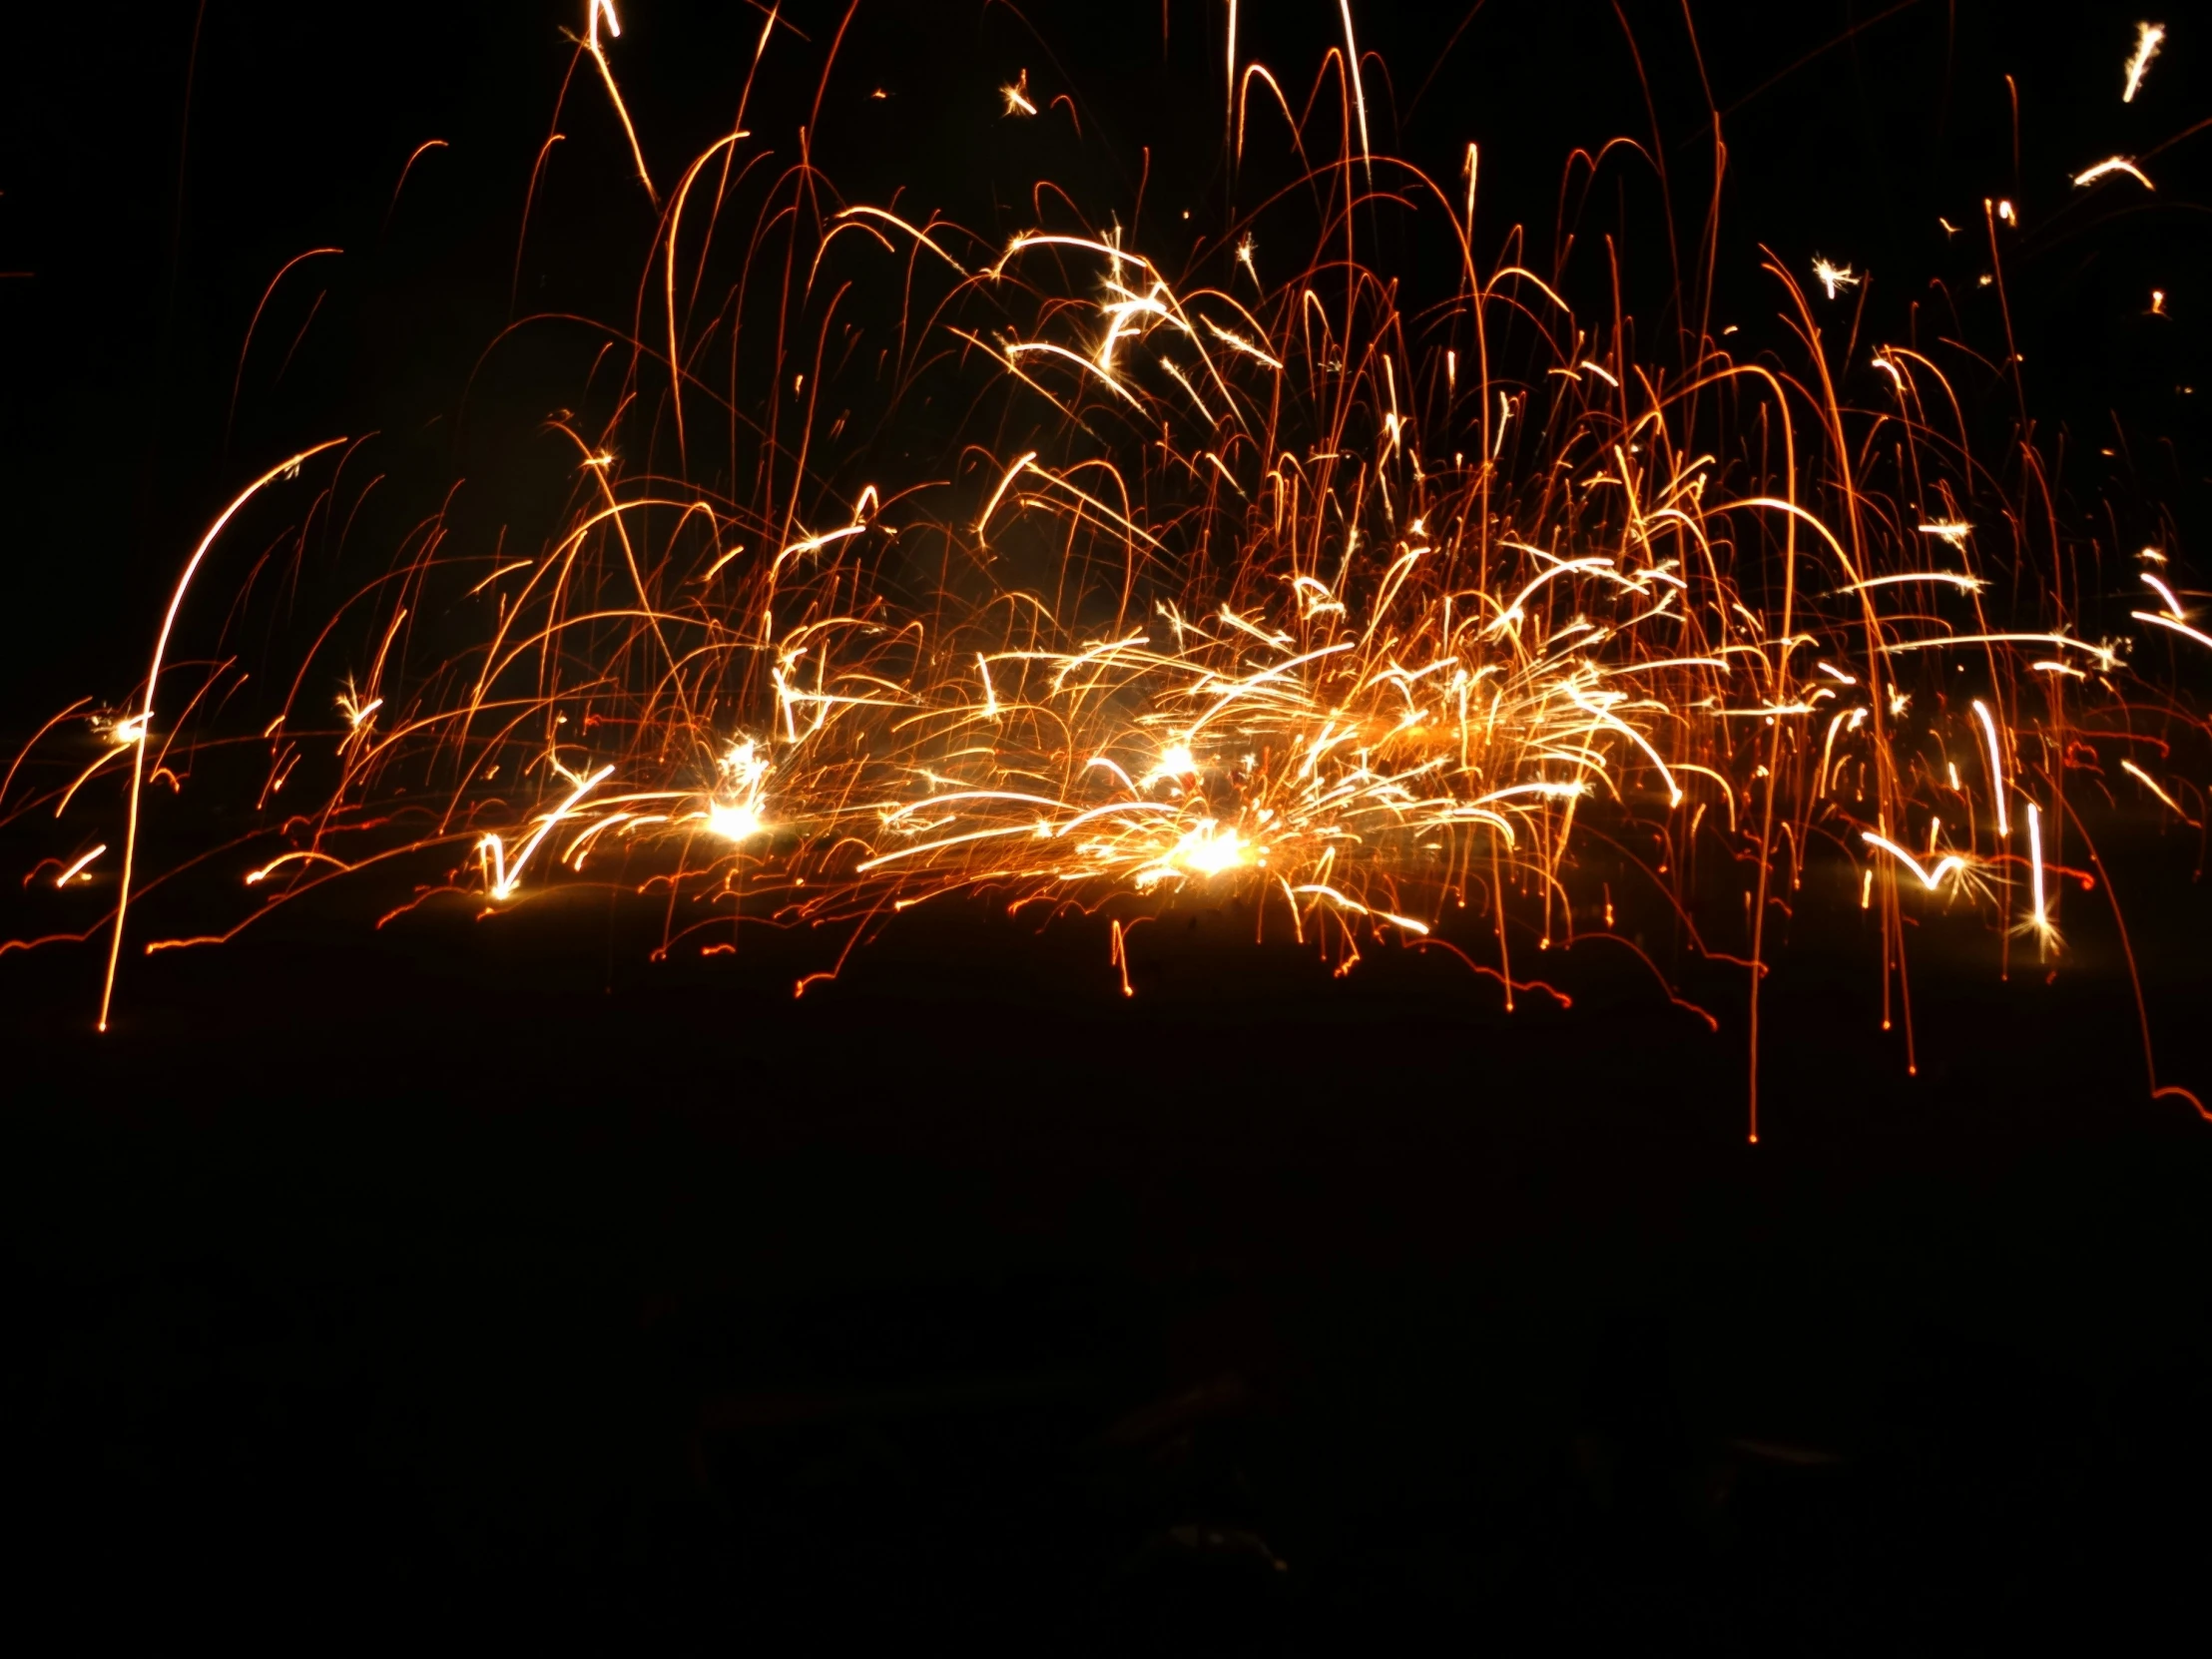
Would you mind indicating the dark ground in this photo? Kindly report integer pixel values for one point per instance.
(448, 1277)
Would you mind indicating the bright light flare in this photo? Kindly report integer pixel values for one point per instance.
(733, 822)
(127, 732)
(1210, 849)
(1835, 278)
(2149, 37)
(1176, 762)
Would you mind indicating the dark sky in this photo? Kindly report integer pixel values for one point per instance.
(157, 173)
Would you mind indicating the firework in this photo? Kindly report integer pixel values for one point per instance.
(1398, 633)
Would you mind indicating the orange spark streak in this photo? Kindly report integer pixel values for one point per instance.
(2112, 164)
(145, 719)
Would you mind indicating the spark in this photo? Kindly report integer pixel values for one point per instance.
(2112, 164)
(77, 866)
(2148, 38)
(503, 877)
(598, 54)
(2174, 625)
(2038, 922)
(2106, 656)
(2173, 605)
(734, 820)
(356, 712)
(1998, 786)
(1948, 578)
(1359, 88)
(1237, 342)
(1323, 890)
(1017, 96)
(1176, 760)
(1833, 277)
(2129, 767)
(736, 812)
(1209, 849)
(1929, 878)
(137, 726)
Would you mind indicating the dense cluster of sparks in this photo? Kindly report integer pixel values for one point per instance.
(1393, 628)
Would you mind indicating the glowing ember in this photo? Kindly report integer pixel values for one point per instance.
(2112, 164)
(1834, 278)
(2149, 37)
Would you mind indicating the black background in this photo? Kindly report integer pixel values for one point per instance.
(497, 1280)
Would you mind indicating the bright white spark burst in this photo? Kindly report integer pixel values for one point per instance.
(2148, 38)
(1834, 277)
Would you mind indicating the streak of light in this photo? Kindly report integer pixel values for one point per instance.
(1929, 878)
(2177, 627)
(1948, 578)
(1954, 531)
(1359, 88)
(2150, 784)
(2148, 38)
(2112, 164)
(2173, 605)
(77, 866)
(2040, 916)
(503, 877)
(1999, 787)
